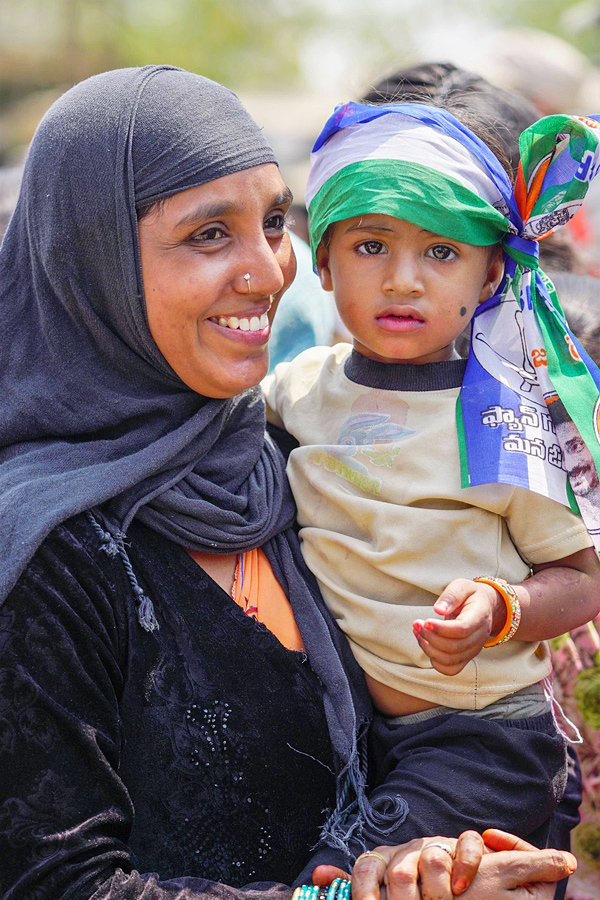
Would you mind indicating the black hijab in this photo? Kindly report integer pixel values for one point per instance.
(91, 413)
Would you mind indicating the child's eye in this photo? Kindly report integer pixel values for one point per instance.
(371, 248)
(442, 252)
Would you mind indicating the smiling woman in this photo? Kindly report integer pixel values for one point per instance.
(214, 258)
(179, 710)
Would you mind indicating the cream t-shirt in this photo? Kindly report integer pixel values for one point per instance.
(385, 524)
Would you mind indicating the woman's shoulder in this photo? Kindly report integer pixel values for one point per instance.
(83, 537)
(77, 568)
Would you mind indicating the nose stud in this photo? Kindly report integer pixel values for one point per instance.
(247, 280)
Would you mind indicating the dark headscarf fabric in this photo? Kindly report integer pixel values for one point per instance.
(91, 412)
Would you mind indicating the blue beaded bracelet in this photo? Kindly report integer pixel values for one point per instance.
(339, 889)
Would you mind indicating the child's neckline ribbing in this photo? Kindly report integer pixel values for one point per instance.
(437, 376)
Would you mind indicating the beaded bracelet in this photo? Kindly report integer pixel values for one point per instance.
(339, 889)
(513, 609)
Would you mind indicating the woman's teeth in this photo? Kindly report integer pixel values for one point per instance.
(256, 323)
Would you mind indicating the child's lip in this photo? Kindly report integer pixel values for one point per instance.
(401, 312)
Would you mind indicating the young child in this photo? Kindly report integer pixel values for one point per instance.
(431, 490)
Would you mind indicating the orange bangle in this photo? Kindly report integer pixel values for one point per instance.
(513, 609)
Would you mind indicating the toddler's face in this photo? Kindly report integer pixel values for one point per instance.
(404, 293)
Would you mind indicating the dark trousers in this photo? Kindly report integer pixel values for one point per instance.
(459, 772)
(566, 815)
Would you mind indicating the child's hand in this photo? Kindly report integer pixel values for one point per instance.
(473, 611)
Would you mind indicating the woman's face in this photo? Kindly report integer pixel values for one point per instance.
(210, 323)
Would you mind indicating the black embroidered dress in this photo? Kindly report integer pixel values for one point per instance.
(199, 748)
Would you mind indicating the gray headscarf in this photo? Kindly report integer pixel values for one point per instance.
(91, 412)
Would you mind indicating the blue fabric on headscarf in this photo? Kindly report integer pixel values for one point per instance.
(92, 415)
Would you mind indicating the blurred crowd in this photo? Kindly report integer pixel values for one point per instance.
(528, 75)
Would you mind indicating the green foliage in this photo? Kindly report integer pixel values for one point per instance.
(239, 42)
(587, 839)
(587, 695)
(249, 44)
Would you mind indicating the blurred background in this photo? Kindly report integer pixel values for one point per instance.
(291, 62)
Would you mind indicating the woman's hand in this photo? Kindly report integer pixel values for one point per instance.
(518, 870)
(423, 870)
(418, 870)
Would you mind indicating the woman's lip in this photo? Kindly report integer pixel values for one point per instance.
(254, 329)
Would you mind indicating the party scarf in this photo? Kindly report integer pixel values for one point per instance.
(528, 413)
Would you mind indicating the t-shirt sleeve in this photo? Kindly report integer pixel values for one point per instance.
(542, 529)
(273, 390)
(295, 382)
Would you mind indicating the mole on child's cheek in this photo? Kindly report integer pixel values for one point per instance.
(463, 310)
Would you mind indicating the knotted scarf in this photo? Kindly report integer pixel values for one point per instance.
(528, 413)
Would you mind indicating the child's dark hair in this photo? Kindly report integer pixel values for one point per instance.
(494, 115)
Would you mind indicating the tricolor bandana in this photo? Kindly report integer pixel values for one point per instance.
(529, 407)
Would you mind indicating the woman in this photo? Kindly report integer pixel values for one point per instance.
(149, 724)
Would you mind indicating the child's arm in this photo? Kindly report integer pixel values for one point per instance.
(559, 596)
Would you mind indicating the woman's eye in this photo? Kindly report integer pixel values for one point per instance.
(441, 251)
(209, 234)
(371, 248)
(276, 222)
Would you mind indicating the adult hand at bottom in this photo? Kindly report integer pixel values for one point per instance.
(517, 870)
(512, 869)
(421, 869)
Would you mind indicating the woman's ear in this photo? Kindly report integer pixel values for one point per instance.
(494, 275)
(323, 269)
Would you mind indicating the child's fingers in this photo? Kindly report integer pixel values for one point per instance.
(450, 639)
(433, 645)
(448, 663)
(453, 596)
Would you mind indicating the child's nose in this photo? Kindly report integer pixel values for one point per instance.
(404, 277)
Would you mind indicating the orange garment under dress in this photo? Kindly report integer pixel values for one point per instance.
(260, 595)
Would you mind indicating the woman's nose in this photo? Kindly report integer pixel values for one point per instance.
(404, 277)
(262, 273)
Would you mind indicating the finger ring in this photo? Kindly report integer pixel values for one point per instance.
(446, 847)
(371, 853)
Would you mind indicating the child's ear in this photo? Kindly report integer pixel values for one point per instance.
(494, 274)
(323, 269)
